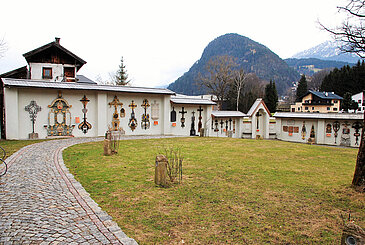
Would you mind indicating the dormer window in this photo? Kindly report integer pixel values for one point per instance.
(47, 73)
(69, 73)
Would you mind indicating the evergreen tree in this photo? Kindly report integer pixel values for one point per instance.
(271, 96)
(347, 79)
(302, 88)
(348, 103)
(121, 76)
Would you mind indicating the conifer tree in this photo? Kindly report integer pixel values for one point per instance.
(271, 96)
(302, 87)
(121, 76)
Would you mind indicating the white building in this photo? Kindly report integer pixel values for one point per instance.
(359, 99)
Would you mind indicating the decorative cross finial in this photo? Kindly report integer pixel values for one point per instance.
(33, 109)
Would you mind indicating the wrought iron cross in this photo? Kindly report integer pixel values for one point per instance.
(33, 109)
(200, 125)
(182, 117)
(84, 126)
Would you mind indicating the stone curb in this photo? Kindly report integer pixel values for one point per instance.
(101, 219)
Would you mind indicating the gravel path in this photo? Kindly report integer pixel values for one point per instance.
(42, 203)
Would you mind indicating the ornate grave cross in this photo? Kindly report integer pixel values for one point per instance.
(345, 137)
(133, 121)
(192, 129)
(145, 117)
(84, 126)
(304, 130)
(221, 126)
(226, 126)
(257, 119)
(336, 128)
(182, 120)
(200, 124)
(33, 109)
(115, 120)
(230, 123)
(357, 126)
(216, 126)
(173, 115)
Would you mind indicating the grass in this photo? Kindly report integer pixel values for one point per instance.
(234, 191)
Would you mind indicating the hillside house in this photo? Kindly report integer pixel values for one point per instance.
(319, 102)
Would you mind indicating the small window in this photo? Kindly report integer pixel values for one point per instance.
(334, 109)
(328, 108)
(47, 73)
(292, 109)
(359, 101)
(306, 108)
(312, 108)
(335, 101)
(298, 108)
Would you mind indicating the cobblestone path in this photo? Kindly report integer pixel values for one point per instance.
(42, 203)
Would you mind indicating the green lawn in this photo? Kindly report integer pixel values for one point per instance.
(234, 191)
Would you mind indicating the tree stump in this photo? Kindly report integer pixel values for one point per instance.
(107, 148)
(352, 234)
(161, 170)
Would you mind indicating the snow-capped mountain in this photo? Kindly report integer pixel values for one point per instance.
(327, 51)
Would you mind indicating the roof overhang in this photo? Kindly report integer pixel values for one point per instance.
(334, 116)
(191, 101)
(228, 114)
(40, 84)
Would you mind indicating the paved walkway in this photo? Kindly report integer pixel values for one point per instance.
(42, 203)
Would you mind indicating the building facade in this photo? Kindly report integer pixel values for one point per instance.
(319, 102)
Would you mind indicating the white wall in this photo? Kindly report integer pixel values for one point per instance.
(99, 115)
(185, 131)
(321, 137)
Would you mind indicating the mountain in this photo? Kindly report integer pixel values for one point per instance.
(327, 51)
(309, 66)
(253, 57)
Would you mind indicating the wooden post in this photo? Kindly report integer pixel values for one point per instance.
(107, 148)
(161, 170)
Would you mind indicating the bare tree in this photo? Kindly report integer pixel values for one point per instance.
(219, 76)
(239, 83)
(352, 36)
(316, 81)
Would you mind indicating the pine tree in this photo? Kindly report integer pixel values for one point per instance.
(271, 96)
(121, 76)
(348, 103)
(302, 88)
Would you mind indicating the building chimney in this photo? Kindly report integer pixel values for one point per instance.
(57, 40)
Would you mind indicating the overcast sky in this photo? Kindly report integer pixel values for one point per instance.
(159, 39)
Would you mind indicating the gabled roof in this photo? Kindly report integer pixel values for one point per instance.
(21, 73)
(26, 83)
(323, 95)
(256, 105)
(55, 44)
